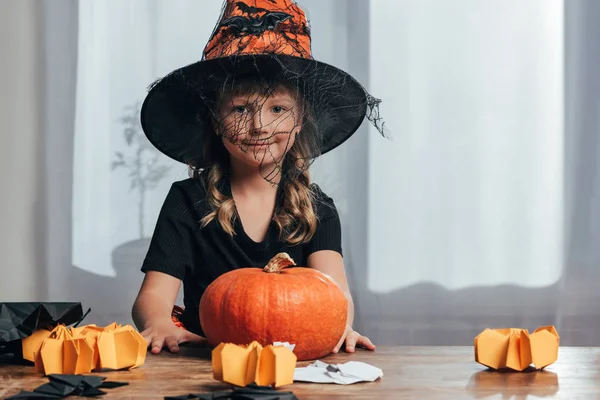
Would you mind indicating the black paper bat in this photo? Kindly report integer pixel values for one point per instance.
(255, 25)
(63, 385)
(250, 392)
(246, 9)
(20, 320)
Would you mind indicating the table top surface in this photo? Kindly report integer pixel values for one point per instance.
(448, 372)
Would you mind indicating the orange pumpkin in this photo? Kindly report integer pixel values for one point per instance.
(298, 305)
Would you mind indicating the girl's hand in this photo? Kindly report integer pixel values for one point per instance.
(353, 339)
(166, 334)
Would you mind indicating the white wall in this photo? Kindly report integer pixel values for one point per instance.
(21, 144)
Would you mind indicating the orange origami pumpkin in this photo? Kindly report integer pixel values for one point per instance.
(81, 350)
(517, 349)
(243, 365)
(301, 306)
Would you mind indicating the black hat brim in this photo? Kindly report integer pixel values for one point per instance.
(175, 115)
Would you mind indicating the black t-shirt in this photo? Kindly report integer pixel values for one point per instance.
(181, 248)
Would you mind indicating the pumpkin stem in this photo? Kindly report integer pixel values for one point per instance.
(279, 262)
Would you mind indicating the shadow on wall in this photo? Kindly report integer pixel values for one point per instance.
(421, 314)
(428, 314)
(111, 298)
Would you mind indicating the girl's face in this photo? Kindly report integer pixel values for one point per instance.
(258, 128)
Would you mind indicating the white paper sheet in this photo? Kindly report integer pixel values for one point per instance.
(286, 344)
(343, 374)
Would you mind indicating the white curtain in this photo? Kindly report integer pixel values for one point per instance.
(119, 180)
(470, 191)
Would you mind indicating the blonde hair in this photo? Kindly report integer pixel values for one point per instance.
(296, 218)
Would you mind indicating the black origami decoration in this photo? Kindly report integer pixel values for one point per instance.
(19, 320)
(250, 392)
(61, 386)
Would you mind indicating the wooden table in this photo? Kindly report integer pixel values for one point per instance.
(409, 373)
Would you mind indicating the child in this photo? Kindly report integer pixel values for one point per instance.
(247, 119)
